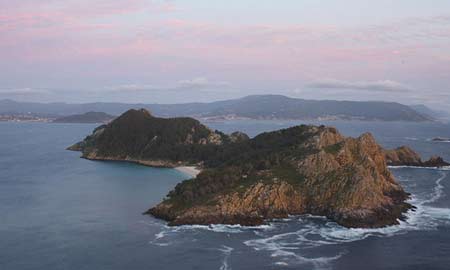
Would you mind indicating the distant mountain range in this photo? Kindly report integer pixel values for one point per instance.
(250, 107)
(89, 117)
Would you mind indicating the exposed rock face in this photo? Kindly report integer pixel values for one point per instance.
(238, 137)
(344, 179)
(435, 161)
(402, 156)
(405, 156)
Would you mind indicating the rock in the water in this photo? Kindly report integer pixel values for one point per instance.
(441, 139)
(405, 156)
(435, 161)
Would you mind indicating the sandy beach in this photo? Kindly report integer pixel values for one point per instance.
(189, 170)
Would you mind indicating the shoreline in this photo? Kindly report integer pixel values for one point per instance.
(443, 168)
(192, 171)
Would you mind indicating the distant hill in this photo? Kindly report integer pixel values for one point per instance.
(252, 107)
(437, 114)
(89, 117)
(281, 107)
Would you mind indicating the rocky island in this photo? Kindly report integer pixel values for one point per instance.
(441, 139)
(405, 156)
(300, 170)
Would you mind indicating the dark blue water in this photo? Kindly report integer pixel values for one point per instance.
(62, 212)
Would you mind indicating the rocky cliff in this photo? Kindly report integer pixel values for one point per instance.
(405, 156)
(320, 173)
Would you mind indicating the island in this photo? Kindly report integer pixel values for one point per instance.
(86, 118)
(405, 156)
(304, 169)
(441, 139)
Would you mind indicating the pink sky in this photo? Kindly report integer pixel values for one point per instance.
(80, 50)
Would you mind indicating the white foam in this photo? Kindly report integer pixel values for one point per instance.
(165, 237)
(443, 168)
(163, 244)
(438, 190)
(225, 228)
(438, 141)
(160, 235)
(227, 252)
(158, 240)
(286, 247)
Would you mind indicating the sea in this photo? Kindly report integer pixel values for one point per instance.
(61, 212)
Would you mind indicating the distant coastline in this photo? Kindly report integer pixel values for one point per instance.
(257, 107)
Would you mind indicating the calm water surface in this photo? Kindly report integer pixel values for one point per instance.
(63, 212)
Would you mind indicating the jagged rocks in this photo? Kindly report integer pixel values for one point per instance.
(405, 156)
(344, 179)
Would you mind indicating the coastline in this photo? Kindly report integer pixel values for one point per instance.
(443, 168)
(192, 171)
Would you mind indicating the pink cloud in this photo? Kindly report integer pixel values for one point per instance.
(72, 34)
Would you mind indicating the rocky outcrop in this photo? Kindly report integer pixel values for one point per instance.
(402, 156)
(405, 156)
(435, 161)
(441, 139)
(238, 137)
(342, 178)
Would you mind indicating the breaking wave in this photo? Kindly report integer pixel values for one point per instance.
(224, 228)
(444, 168)
(162, 238)
(227, 252)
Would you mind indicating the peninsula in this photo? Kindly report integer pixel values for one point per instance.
(86, 118)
